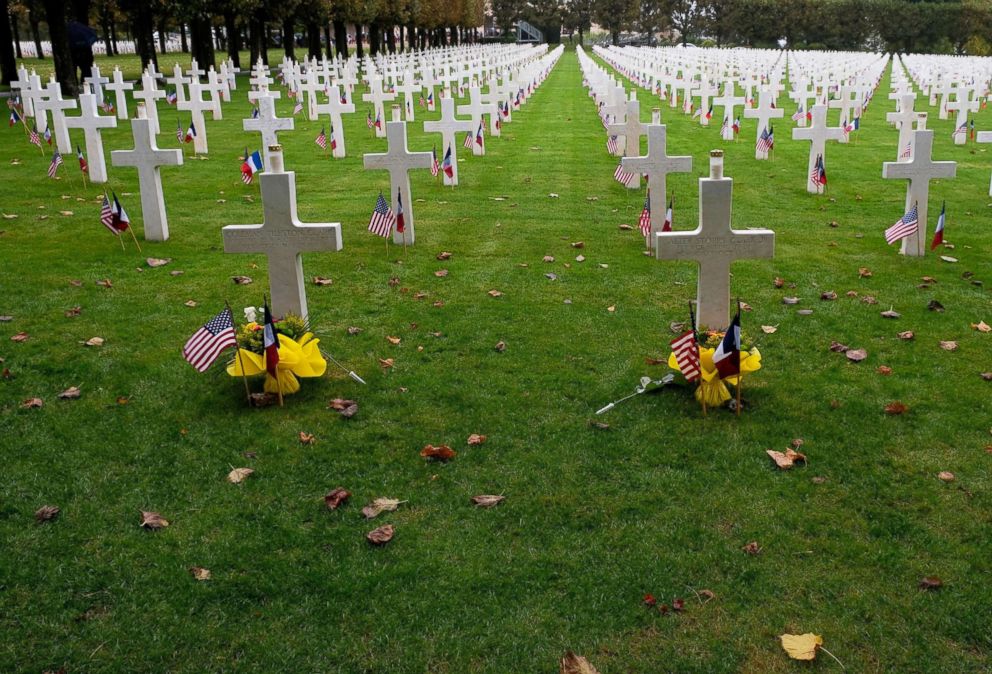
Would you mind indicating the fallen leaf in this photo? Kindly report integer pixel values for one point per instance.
(500, 346)
(611, 308)
(625, 228)
(931, 583)
(32, 403)
(785, 460)
(779, 282)
(884, 370)
(441, 273)
(906, 335)
(934, 305)
(864, 272)
(790, 300)
(649, 600)
(709, 594)
(444, 255)
(579, 244)
(580, 258)
(157, 262)
(551, 276)
(896, 408)
(439, 453)
(548, 258)
(239, 475)
(353, 330)
(336, 498)
(752, 548)
(856, 355)
(852, 293)
(346, 408)
(20, 337)
(321, 281)
(152, 520)
(576, 664)
(949, 345)
(829, 295)
(891, 314)
(307, 438)
(837, 347)
(801, 646)
(94, 341)
(948, 258)
(65, 213)
(263, 399)
(946, 476)
(987, 376)
(386, 363)
(678, 604)
(487, 500)
(869, 299)
(46, 513)
(192, 304)
(73, 312)
(199, 573)
(981, 326)
(123, 400)
(394, 281)
(393, 340)
(381, 536)
(70, 393)
(769, 329)
(241, 280)
(476, 439)
(495, 293)
(105, 283)
(380, 505)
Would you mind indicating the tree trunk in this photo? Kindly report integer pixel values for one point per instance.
(288, 37)
(201, 41)
(16, 35)
(8, 63)
(340, 38)
(161, 34)
(580, 35)
(359, 47)
(313, 39)
(33, 21)
(183, 42)
(81, 11)
(233, 38)
(400, 42)
(411, 37)
(141, 30)
(65, 70)
(375, 38)
(391, 39)
(105, 27)
(329, 51)
(113, 35)
(256, 39)
(615, 37)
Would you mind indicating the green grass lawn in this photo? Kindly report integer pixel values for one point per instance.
(660, 502)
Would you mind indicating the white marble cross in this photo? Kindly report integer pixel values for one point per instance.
(476, 109)
(409, 87)
(847, 100)
(213, 87)
(119, 86)
(334, 107)
(985, 137)
(657, 164)
(903, 119)
(282, 237)
(268, 124)
(149, 94)
(919, 171)
(23, 82)
(377, 96)
(705, 92)
(196, 107)
(147, 158)
(448, 126)
(96, 82)
(57, 106)
(727, 101)
(33, 95)
(629, 135)
(944, 88)
(195, 72)
(963, 105)
(764, 113)
(90, 121)
(714, 244)
(801, 94)
(818, 135)
(399, 161)
(178, 82)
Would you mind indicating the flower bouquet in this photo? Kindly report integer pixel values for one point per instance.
(712, 389)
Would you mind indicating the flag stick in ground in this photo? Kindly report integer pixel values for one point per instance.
(241, 362)
(133, 237)
(740, 374)
(692, 325)
(119, 237)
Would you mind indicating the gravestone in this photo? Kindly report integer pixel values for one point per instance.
(764, 113)
(148, 95)
(477, 109)
(903, 119)
(985, 137)
(57, 106)
(919, 171)
(629, 134)
(147, 158)
(96, 82)
(657, 164)
(378, 97)
(282, 237)
(119, 86)
(90, 121)
(714, 244)
(334, 107)
(727, 101)
(962, 105)
(268, 124)
(448, 126)
(818, 134)
(399, 162)
(196, 107)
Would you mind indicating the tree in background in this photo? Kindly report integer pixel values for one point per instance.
(8, 62)
(616, 16)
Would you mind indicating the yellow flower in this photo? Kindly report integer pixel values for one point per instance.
(296, 359)
(712, 390)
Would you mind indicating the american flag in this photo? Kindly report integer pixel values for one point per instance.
(766, 141)
(818, 176)
(53, 167)
(171, 97)
(83, 166)
(799, 114)
(321, 140)
(34, 137)
(382, 220)
(435, 167)
(686, 351)
(725, 125)
(904, 226)
(961, 129)
(622, 176)
(907, 151)
(202, 349)
(469, 141)
(612, 146)
(107, 107)
(107, 215)
(180, 136)
(298, 108)
(645, 221)
(368, 120)
(421, 101)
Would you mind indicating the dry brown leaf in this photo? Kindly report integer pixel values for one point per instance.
(779, 282)
(580, 258)
(869, 299)
(336, 498)
(307, 438)
(856, 355)
(708, 594)
(884, 370)
(382, 535)
(987, 376)
(239, 475)
(500, 346)
(152, 520)
(241, 280)
(322, 281)
(157, 262)
(864, 272)
(354, 330)
(837, 347)
(487, 500)
(896, 408)
(769, 329)
(346, 408)
(829, 295)
(418, 295)
(934, 305)
(625, 228)
(199, 573)
(476, 439)
(94, 341)
(70, 393)
(946, 476)
(981, 326)
(386, 363)
(439, 453)
(548, 258)
(20, 337)
(105, 283)
(781, 460)
(380, 505)
(190, 303)
(393, 340)
(949, 345)
(46, 513)
(73, 312)
(948, 258)
(906, 335)
(790, 300)
(32, 403)
(441, 273)
(752, 548)
(931, 583)
(393, 281)
(444, 255)
(495, 293)
(891, 314)
(576, 664)
(123, 400)
(612, 308)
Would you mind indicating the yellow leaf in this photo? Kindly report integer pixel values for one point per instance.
(576, 664)
(801, 646)
(238, 475)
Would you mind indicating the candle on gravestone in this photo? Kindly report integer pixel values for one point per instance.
(276, 164)
(716, 164)
(921, 121)
(656, 115)
(396, 113)
(142, 111)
